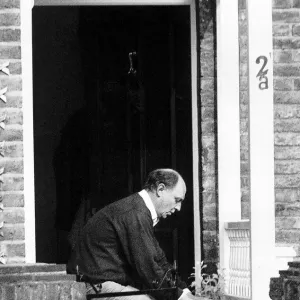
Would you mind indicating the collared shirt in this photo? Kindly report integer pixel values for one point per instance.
(144, 194)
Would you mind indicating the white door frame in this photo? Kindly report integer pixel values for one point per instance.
(26, 43)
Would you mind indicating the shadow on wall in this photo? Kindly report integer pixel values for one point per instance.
(57, 93)
(70, 164)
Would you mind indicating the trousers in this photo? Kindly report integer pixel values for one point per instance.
(113, 287)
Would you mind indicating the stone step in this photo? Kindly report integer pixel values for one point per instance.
(39, 281)
(286, 273)
(294, 264)
(59, 290)
(31, 268)
(47, 276)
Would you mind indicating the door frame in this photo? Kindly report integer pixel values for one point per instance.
(26, 46)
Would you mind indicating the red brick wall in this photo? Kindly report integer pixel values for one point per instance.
(11, 159)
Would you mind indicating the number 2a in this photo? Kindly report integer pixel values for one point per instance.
(262, 74)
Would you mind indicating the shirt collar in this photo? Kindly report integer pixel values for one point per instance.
(144, 194)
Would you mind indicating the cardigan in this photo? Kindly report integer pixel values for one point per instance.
(118, 244)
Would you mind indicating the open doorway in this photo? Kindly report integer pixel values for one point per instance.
(112, 101)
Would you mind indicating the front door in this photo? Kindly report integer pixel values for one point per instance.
(138, 96)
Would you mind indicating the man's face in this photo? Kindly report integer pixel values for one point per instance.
(170, 199)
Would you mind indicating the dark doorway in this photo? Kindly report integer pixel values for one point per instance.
(132, 112)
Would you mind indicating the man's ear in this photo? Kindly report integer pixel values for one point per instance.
(160, 188)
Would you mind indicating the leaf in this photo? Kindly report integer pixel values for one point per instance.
(2, 258)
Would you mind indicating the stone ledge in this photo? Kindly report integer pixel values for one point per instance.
(60, 290)
(288, 273)
(39, 281)
(35, 277)
(294, 264)
(238, 225)
(31, 268)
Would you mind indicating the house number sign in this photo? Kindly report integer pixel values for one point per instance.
(262, 74)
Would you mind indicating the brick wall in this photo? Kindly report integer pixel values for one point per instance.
(208, 130)
(286, 45)
(286, 18)
(244, 110)
(12, 247)
(286, 33)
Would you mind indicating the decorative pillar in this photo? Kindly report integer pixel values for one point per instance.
(228, 122)
(238, 283)
(261, 146)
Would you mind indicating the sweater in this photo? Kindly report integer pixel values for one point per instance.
(118, 244)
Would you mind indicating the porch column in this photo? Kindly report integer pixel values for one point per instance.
(228, 121)
(261, 146)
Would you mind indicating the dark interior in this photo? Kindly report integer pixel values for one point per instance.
(112, 101)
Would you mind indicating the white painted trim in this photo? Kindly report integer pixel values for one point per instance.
(285, 251)
(228, 121)
(261, 148)
(195, 137)
(110, 2)
(284, 255)
(28, 127)
(28, 149)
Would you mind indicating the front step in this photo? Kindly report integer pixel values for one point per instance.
(39, 281)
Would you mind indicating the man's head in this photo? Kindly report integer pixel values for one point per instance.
(167, 190)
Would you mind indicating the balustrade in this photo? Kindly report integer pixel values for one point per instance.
(237, 278)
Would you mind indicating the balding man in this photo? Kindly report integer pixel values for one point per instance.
(117, 250)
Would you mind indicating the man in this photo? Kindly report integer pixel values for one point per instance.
(117, 249)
